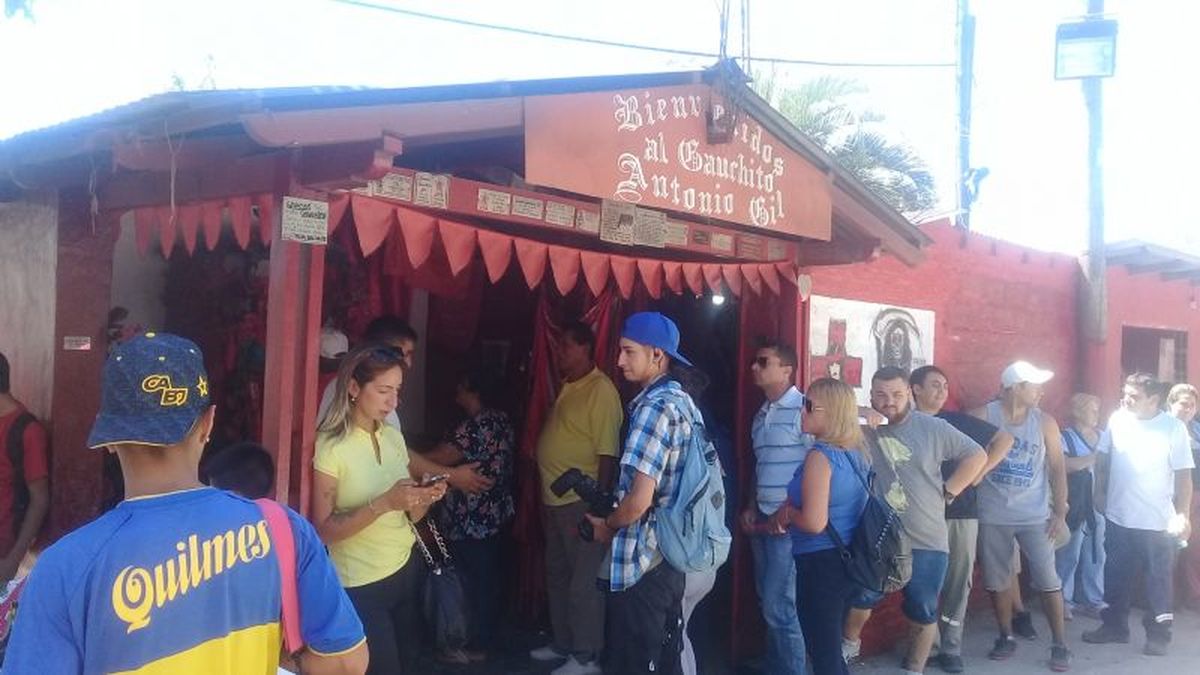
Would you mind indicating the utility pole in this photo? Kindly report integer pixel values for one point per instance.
(966, 78)
(1095, 305)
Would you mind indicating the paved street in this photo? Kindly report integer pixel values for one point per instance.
(1032, 656)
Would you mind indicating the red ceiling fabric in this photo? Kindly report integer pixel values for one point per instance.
(496, 250)
(239, 214)
(564, 264)
(532, 256)
(752, 277)
(595, 270)
(266, 217)
(693, 273)
(459, 242)
(770, 276)
(651, 271)
(189, 226)
(373, 221)
(210, 215)
(625, 272)
(673, 271)
(143, 229)
(165, 216)
(418, 229)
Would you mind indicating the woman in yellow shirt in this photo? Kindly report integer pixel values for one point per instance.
(364, 504)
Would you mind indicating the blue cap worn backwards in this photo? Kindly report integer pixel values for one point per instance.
(154, 388)
(655, 330)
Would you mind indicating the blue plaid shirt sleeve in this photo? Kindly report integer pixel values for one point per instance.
(649, 439)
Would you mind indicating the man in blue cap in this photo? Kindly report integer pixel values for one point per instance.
(644, 603)
(179, 577)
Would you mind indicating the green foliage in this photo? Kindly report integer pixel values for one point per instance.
(826, 109)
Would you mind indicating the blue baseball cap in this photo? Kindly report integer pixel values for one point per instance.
(153, 389)
(655, 330)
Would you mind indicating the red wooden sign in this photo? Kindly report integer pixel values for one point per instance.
(650, 147)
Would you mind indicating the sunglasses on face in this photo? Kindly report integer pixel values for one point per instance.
(810, 407)
(761, 361)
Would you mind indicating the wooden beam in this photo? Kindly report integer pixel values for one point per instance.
(128, 190)
(348, 165)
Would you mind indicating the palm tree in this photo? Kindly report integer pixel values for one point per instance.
(824, 110)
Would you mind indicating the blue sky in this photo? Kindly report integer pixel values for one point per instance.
(78, 57)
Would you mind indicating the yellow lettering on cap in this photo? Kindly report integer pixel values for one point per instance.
(170, 395)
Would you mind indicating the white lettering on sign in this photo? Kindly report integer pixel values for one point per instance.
(560, 214)
(527, 207)
(305, 221)
(493, 201)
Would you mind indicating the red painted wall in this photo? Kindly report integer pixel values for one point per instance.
(1144, 301)
(995, 302)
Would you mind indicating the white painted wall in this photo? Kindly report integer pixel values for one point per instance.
(28, 257)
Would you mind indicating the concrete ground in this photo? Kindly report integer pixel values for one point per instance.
(1033, 657)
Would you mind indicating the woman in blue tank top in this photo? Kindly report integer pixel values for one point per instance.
(828, 490)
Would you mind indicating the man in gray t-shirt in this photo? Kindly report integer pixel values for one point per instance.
(907, 455)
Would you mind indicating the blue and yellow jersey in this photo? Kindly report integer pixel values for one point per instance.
(185, 582)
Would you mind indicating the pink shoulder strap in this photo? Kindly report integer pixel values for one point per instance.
(285, 551)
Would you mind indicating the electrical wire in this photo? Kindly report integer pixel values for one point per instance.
(366, 4)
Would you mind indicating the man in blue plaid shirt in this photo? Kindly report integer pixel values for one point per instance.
(644, 603)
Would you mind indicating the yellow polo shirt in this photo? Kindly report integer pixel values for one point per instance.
(584, 424)
(384, 546)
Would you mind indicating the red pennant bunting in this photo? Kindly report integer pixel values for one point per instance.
(693, 274)
(496, 250)
(189, 226)
(673, 271)
(266, 217)
(564, 263)
(752, 277)
(770, 276)
(712, 275)
(733, 278)
(532, 256)
(418, 229)
(143, 228)
(165, 217)
(338, 205)
(459, 242)
(652, 275)
(595, 270)
(373, 221)
(239, 214)
(210, 215)
(625, 272)
(788, 271)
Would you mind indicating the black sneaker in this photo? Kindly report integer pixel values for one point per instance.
(1155, 647)
(1022, 624)
(1005, 647)
(1060, 659)
(1106, 634)
(950, 663)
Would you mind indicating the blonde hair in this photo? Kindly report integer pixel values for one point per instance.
(1181, 390)
(362, 365)
(841, 413)
(1080, 402)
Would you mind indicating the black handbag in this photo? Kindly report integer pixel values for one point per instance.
(879, 555)
(444, 603)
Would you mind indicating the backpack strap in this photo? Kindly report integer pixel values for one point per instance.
(285, 551)
(829, 529)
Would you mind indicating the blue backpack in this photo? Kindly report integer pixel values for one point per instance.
(692, 534)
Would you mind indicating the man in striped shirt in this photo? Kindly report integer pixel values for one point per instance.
(779, 448)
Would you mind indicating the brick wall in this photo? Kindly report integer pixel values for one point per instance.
(995, 302)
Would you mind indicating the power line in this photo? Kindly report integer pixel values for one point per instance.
(627, 45)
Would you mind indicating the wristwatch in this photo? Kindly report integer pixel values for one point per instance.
(948, 495)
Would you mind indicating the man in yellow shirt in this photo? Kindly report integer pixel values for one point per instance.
(582, 432)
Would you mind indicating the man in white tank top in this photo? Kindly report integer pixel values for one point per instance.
(1015, 506)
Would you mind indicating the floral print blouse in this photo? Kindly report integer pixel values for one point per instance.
(487, 438)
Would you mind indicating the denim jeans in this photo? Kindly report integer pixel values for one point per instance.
(1084, 557)
(775, 580)
(921, 593)
(825, 592)
(1134, 554)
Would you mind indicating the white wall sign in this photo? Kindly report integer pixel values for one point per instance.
(305, 220)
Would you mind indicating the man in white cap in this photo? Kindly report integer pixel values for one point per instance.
(1015, 506)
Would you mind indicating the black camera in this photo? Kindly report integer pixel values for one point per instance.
(601, 503)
